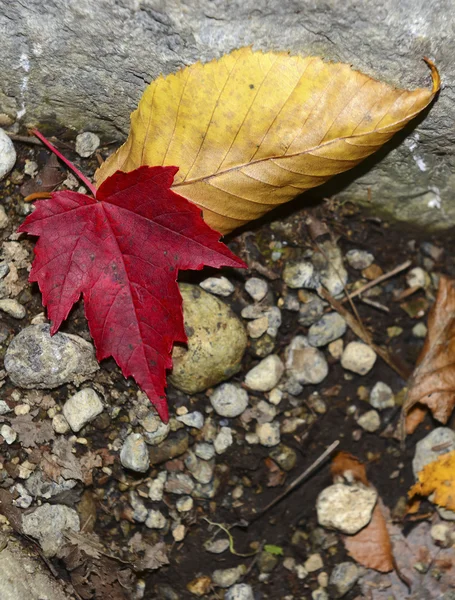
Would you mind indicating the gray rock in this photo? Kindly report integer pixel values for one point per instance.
(156, 520)
(370, 421)
(358, 358)
(134, 454)
(347, 508)
(381, 396)
(258, 327)
(300, 275)
(7, 154)
(155, 430)
(330, 327)
(216, 342)
(220, 286)
(4, 267)
(329, 264)
(223, 440)
(306, 365)
(256, 288)
(359, 259)
(311, 310)
(47, 524)
(179, 483)
(427, 449)
(87, 143)
(201, 470)
(192, 419)
(342, 579)
(8, 434)
(266, 374)
(4, 408)
(229, 400)
(40, 487)
(34, 359)
(225, 578)
(82, 408)
(239, 591)
(204, 450)
(13, 308)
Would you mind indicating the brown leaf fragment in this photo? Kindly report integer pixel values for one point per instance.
(433, 380)
(32, 433)
(47, 179)
(88, 462)
(349, 467)
(276, 476)
(154, 557)
(87, 542)
(62, 462)
(371, 547)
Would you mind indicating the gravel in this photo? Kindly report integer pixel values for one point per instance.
(306, 365)
(300, 275)
(220, 286)
(87, 143)
(7, 155)
(47, 524)
(156, 520)
(268, 434)
(311, 309)
(229, 400)
(256, 288)
(204, 450)
(265, 375)
(342, 579)
(223, 440)
(225, 578)
(359, 259)
(346, 508)
(134, 454)
(330, 327)
(13, 308)
(82, 408)
(329, 263)
(381, 396)
(370, 421)
(192, 419)
(239, 591)
(358, 358)
(8, 434)
(155, 430)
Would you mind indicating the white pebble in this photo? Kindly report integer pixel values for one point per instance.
(223, 440)
(60, 424)
(268, 434)
(156, 520)
(193, 419)
(13, 308)
(220, 286)
(87, 143)
(256, 288)
(82, 408)
(7, 154)
(370, 421)
(229, 400)
(265, 375)
(8, 434)
(381, 396)
(358, 357)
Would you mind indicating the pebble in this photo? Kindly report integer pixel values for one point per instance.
(192, 419)
(140, 512)
(179, 532)
(155, 430)
(419, 330)
(300, 275)
(342, 579)
(87, 143)
(256, 288)
(204, 450)
(134, 454)
(266, 374)
(156, 487)
(319, 594)
(358, 358)
(336, 349)
(275, 396)
(47, 524)
(264, 412)
(179, 483)
(417, 278)
(370, 421)
(156, 520)
(3, 223)
(82, 408)
(34, 359)
(311, 310)
(216, 342)
(220, 286)
(4, 267)
(381, 396)
(329, 264)
(8, 434)
(223, 440)
(313, 563)
(346, 508)
(258, 327)
(170, 448)
(184, 504)
(284, 457)
(7, 155)
(442, 535)
(39, 485)
(267, 562)
(199, 587)
(329, 328)
(359, 259)
(229, 400)
(441, 437)
(60, 424)
(4, 408)
(225, 578)
(201, 470)
(306, 365)
(274, 320)
(268, 434)
(432, 251)
(239, 591)
(217, 546)
(12, 308)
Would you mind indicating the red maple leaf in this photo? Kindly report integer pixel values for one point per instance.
(122, 251)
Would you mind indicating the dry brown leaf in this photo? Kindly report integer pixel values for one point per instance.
(437, 477)
(349, 467)
(433, 381)
(253, 130)
(371, 547)
(32, 433)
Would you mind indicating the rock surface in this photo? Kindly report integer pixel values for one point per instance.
(47, 524)
(346, 508)
(216, 342)
(89, 84)
(7, 154)
(34, 359)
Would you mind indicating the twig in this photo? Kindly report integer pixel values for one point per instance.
(379, 279)
(25, 139)
(297, 481)
(374, 304)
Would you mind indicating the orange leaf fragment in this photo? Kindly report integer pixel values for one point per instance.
(349, 467)
(433, 381)
(437, 477)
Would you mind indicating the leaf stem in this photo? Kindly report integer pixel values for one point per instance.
(67, 162)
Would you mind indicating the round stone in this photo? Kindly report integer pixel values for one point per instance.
(223, 440)
(87, 143)
(256, 288)
(300, 275)
(370, 421)
(358, 358)
(216, 342)
(346, 508)
(266, 374)
(82, 408)
(155, 430)
(381, 396)
(225, 578)
(7, 154)
(13, 308)
(229, 400)
(330, 327)
(220, 286)
(311, 310)
(60, 424)
(306, 365)
(268, 434)
(359, 259)
(134, 454)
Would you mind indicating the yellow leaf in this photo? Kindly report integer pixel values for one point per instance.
(438, 477)
(253, 130)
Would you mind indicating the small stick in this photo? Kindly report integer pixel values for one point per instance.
(25, 139)
(383, 277)
(299, 479)
(375, 304)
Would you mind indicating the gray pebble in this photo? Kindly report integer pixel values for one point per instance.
(201, 470)
(229, 400)
(204, 450)
(87, 143)
(342, 579)
(13, 308)
(82, 408)
(225, 578)
(4, 408)
(155, 430)
(8, 434)
(134, 454)
(266, 374)
(256, 288)
(4, 268)
(47, 524)
(359, 259)
(239, 591)
(300, 275)
(223, 440)
(306, 365)
(220, 286)
(179, 483)
(7, 154)
(329, 265)
(381, 396)
(217, 546)
(311, 310)
(34, 359)
(192, 419)
(330, 327)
